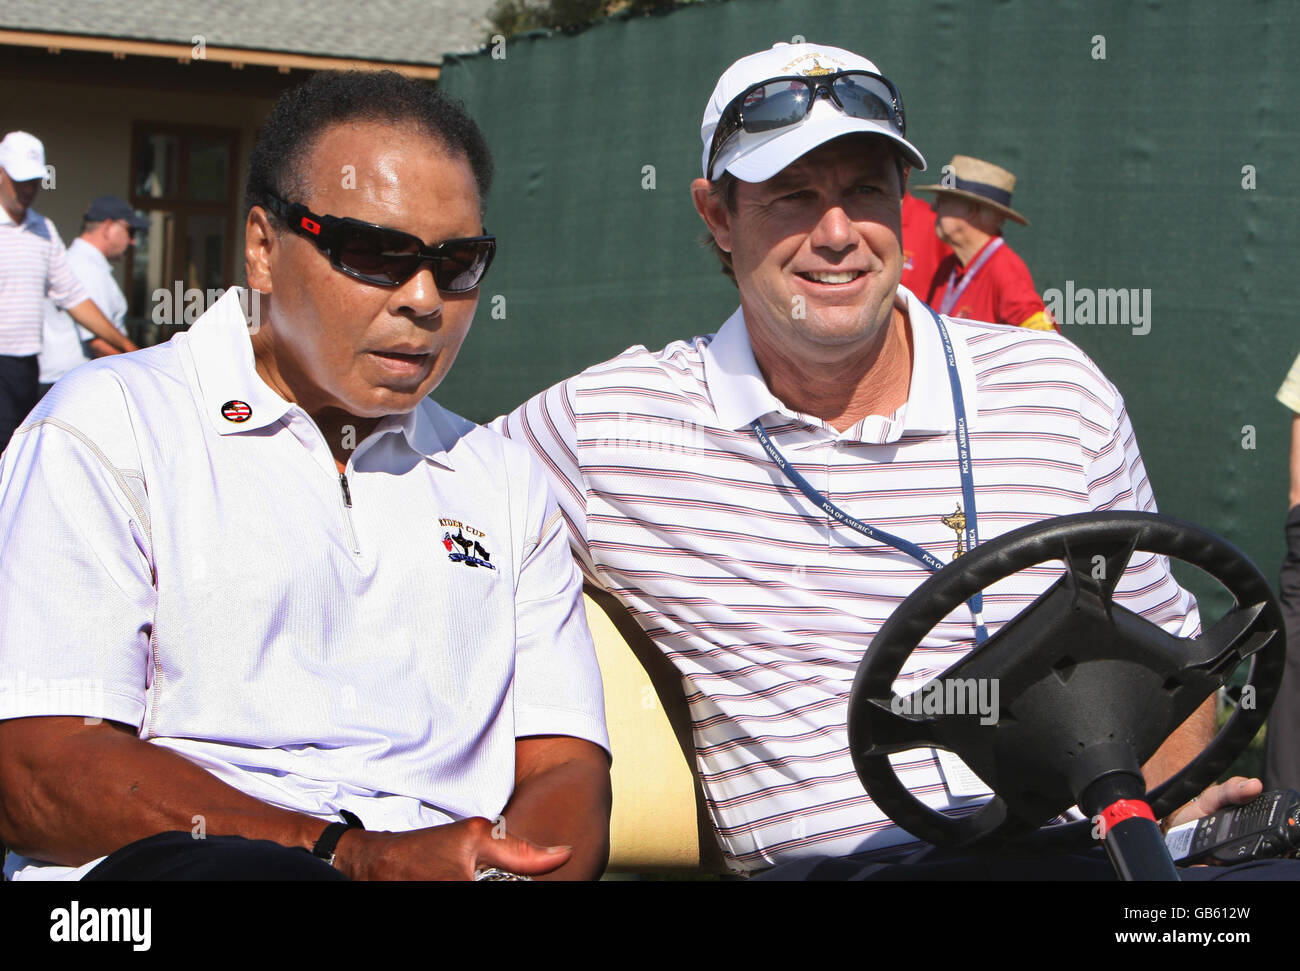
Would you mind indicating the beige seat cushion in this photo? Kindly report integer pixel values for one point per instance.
(658, 821)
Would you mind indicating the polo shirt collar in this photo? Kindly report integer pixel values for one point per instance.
(223, 359)
(929, 399)
(427, 431)
(740, 394)
(92, 252)
(31, 218)
(222, 352)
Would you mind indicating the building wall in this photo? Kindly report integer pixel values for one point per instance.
(87, 128)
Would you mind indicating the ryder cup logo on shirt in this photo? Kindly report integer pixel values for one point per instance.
(471, 551)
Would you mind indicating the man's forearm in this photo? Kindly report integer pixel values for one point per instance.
(1182, 746)
(72, 792)
(101, 348)
(563, 800)
(92, 318)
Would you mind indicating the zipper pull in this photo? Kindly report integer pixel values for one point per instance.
(347, 493)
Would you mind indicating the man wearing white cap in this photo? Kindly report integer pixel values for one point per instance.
(33, 266)
(692, 477)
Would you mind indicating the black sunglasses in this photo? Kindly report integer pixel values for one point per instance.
(781, 102)
(388, 257)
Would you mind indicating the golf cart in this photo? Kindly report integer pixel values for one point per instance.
(1088, 690)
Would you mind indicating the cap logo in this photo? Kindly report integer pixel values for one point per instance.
(816, 68)
(236, 411)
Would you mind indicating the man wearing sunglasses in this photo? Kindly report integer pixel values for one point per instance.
(326, 628)
(763, 498)
(108, 230)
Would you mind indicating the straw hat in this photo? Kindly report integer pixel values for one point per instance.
(979, 181)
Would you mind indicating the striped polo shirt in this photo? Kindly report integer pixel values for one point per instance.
(33, 265)
(763, 603)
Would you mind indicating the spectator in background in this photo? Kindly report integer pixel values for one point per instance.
(33, 266)
(1282, 747)
(982, 279)
(107, 231)
(923, 250)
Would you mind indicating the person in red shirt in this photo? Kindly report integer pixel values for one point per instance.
(983, 279)
(923, 250)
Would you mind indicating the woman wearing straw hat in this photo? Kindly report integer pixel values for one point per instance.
(983, 279)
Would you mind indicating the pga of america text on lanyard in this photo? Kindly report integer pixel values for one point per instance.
(926, 559)
(950, 296)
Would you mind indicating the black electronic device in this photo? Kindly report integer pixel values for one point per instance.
(1268, 826)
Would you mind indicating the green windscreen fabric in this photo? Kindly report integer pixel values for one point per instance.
(1155, 154)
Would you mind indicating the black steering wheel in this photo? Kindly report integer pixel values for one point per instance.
(1086, 686)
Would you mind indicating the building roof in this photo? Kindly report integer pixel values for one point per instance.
(402, 31)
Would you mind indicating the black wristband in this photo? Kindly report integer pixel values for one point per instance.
(329, 839)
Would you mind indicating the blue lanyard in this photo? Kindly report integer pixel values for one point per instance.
(926, 559)
(950, 299)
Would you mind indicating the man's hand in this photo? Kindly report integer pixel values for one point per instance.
(1237, 791)
(561, 800)
(450, 852)
(92, 318)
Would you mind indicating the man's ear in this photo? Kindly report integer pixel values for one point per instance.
(712, 207)
(261, 246)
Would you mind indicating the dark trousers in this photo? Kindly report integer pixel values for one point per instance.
(1282, 748)
(180, 856)
(960, 865)
(19, 392)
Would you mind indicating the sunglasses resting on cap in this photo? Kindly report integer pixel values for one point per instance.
(388, 257)
(785, 101)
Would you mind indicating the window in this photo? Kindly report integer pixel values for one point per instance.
(184, 178)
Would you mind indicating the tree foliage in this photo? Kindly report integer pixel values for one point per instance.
(510, 17)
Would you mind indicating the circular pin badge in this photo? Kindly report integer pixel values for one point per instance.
(236, 411)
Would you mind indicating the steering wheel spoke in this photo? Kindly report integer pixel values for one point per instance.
(1096, 568)
(899, 723)
(1236, 636)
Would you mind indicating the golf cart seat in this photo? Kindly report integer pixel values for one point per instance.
(659, 822)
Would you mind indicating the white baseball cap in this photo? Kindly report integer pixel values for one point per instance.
(757, 156)
(22, 156)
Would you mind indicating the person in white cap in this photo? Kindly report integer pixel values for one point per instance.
(33, 266)
(982, 279)
(709, 486)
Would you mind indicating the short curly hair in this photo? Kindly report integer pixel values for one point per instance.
(278, 160)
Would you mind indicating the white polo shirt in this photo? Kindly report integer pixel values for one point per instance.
(763, 603)
(61, 346)
(179, 555)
